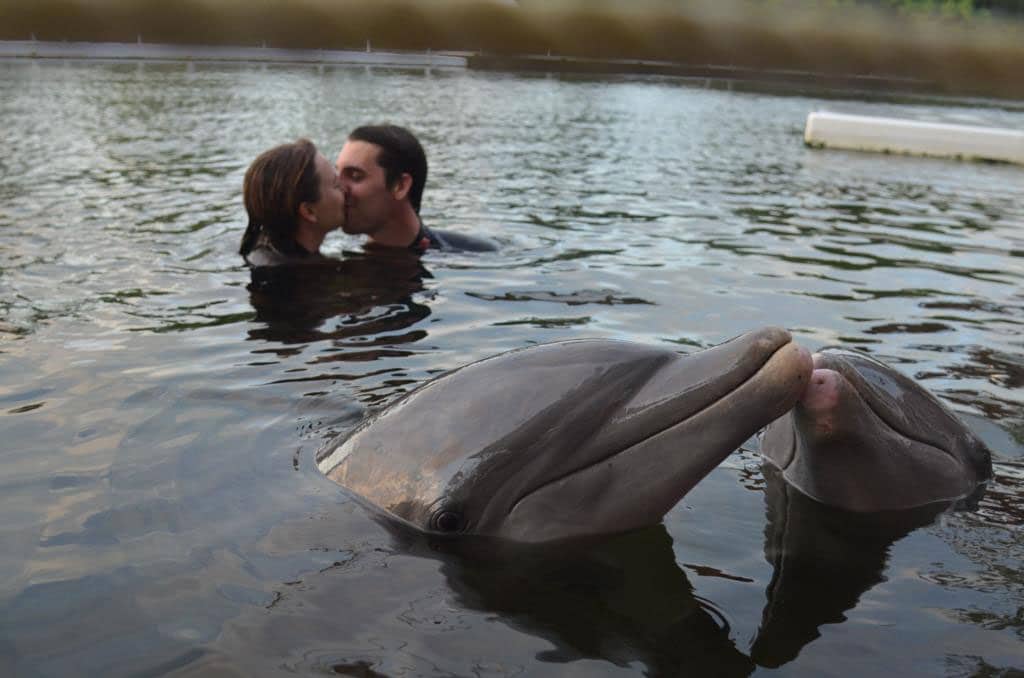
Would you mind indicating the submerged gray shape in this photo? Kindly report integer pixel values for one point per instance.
(866, 438)
(567, 439)
(824, 559)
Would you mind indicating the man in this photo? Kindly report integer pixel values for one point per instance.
(383, 170)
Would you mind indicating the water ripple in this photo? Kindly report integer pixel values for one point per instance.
(160, 404)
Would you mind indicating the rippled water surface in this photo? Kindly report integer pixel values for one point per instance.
(160, 506)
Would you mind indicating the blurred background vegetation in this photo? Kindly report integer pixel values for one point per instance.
(961, 46)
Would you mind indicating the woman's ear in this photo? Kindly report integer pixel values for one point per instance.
(306, 212)
(400, 189)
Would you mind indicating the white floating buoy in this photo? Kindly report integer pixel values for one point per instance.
(911, 137)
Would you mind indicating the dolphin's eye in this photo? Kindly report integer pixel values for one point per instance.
(449, 521)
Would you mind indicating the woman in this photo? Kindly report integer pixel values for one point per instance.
(294, 199)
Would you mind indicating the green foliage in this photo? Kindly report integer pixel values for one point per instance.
(947, 9)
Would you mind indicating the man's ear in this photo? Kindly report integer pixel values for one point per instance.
(306, 212)
(401, 187)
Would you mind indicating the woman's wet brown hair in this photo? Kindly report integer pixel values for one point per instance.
(276, 183)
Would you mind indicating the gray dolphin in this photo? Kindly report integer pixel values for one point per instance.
(866, 438)
(567, 439)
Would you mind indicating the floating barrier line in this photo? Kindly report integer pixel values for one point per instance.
(150, 51)
(549, 63)
(912, 137)
(706, 75)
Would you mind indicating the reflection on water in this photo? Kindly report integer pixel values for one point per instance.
(622, 600)
(367, 297)
(162, 406)
(823, 560)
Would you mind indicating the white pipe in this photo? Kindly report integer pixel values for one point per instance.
(893, 135)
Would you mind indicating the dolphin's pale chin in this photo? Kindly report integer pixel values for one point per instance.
(865, 438)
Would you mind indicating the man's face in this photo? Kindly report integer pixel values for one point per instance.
(371, 204)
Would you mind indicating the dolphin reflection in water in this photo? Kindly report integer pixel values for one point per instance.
(623, 599)
(568, 439)
(427, 605)
(590, 437)
(823, 560)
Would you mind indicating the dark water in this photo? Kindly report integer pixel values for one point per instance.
(160, 508)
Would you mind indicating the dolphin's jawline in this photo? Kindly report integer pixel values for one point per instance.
(903, 434)
(946, 500)
(793, 446)
(658, 432)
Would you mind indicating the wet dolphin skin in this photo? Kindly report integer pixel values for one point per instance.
(567, 439)
(866, 438)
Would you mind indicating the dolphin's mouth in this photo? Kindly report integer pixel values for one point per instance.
(744, 374)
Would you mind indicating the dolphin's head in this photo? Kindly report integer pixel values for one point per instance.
(567, 439)
(866, 438)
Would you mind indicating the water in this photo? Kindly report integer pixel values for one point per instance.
(160, 508)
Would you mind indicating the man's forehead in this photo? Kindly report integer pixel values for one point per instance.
(358, 154)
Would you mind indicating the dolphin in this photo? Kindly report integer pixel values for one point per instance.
(568, 439)
(866, 438)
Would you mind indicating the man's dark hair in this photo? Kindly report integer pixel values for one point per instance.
(400, 152)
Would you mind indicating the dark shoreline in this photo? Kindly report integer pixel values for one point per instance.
(778, 81)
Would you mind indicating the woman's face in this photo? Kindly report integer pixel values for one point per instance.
(329, 210)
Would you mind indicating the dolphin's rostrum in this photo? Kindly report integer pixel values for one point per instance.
(567, 439)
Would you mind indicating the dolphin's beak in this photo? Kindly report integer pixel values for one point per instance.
(678, 427)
